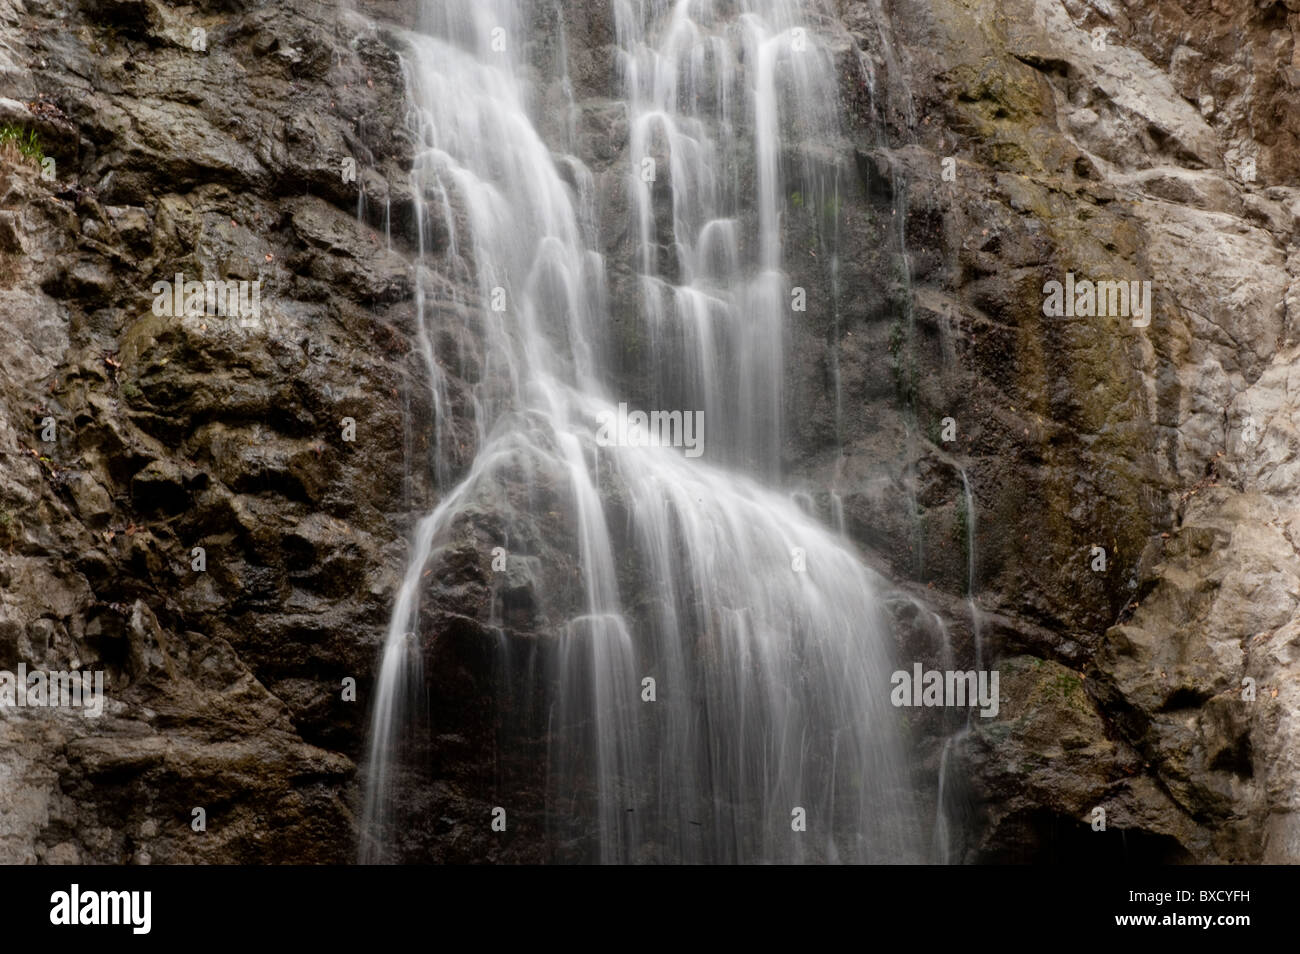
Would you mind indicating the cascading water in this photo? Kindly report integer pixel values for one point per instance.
(763, 630)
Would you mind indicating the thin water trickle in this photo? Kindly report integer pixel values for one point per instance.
(943, 811)
(942, 819)
(977, 637)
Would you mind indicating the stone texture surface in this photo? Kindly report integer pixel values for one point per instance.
(225, 686)
(1107, 140)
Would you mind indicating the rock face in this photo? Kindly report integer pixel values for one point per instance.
(1151, 141)
(206, 142)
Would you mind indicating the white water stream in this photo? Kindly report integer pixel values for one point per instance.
(762, 627)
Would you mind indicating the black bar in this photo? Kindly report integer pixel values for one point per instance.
(479, 905)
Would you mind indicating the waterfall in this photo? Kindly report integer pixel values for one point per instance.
(763, 629)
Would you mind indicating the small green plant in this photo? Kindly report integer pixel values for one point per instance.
(24, 143)
(896, 337)
(1066, 683)
(131, 391)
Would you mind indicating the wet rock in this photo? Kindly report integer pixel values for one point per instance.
(1168, 445)
(176, 434)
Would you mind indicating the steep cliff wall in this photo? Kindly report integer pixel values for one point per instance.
(1135, 141)
(221, 154)
(205, 141)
